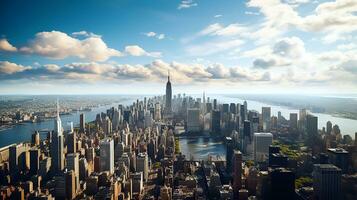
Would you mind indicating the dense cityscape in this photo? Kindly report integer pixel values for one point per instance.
(133, 152)
(178, 100)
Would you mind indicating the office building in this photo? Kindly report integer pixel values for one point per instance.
(293, 121)
(57, 146)
(266, 115)
(261, 144)
(216, 121)
(237, 172)
(82, 123)
(107, 155)
(327, 182)
(142, 165)
(193, 120)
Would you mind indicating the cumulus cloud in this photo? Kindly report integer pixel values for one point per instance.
(59, 45)
(156, 71)
(11, 68)
(135, 50)
(290, 47)
(6, 46)
(184, 4)
(334, 19)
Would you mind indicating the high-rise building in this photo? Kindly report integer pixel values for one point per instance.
(34, 160)
(142, 165)
(70, 183)
(293, 121)
(311, 125)
(237, 173)
(82, 123)
(71, 143)
(35, 138)
(216, 121)
(339, 158)
(57, 146)
(327, 182)
(107, 155)
(168, 102)
(193, 120)
(72, 163)
(282, 184)
(261, 144)
(328, 127)
(266, 114)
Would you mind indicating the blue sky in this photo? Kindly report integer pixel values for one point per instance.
(76, 47)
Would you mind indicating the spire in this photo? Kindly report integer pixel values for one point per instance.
(58, 109)
(168, 76)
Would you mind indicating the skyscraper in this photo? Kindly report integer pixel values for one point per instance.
(266, 113)
(82, 123)
(327, 182)
(168, 108)
(311, 125)
(107, 155)
(237, 173)
(57, 146)
(262, 141)
(193, 120)
(293, 121)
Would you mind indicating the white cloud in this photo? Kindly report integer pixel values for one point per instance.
(85, 34)
(59, 45)
(156, 35)
(217, 16)
(6, 46)
(135, 50)
(150, 34)
(186, 4)
(11, 68)
(161, 36)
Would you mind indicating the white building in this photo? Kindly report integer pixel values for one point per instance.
(193, 120)
(261, 143)
(107, 155)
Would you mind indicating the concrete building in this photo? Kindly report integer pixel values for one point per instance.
(261, 143)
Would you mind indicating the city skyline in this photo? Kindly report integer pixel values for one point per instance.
(300, 46)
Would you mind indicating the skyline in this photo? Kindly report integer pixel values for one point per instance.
(290, 46)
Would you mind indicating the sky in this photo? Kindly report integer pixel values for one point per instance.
(130, 46)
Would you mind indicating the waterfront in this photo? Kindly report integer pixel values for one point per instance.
(22, 132)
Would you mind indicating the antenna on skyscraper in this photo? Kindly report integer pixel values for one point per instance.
(168, 75)
(57, 109)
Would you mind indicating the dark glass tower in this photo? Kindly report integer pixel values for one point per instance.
(168, 108)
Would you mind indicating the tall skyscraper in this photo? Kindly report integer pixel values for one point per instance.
(327, 182)
(71, 143)
(311, 125)
(193, 120)
(237, 173)
(107, 155)
(82, 123)
(168, 108)
(266, 114)
(216, 121)
(261, 144)
(328, 127)
(293, 121)
(142, 165)
(57, 145)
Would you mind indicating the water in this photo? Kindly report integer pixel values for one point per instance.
(23, 132)
(347, 126)
(199, 148)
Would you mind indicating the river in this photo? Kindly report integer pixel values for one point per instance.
(22, 132)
